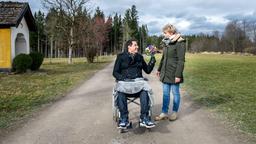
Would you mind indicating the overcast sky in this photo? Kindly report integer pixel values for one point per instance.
(189, 16)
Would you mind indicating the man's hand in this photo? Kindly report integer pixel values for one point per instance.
(177, 80)
(158, 73)
(152, 59)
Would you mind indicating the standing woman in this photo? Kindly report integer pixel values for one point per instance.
(170, 70)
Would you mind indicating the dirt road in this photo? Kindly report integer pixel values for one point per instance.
(84, 116)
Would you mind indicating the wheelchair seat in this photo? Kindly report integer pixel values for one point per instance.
(131, 98)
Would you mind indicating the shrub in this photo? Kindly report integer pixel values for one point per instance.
(21, 63)
(251, 50)
(90, 54)
(37, 60)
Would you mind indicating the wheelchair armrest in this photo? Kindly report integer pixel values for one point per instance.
(126, 80)
(130, 80)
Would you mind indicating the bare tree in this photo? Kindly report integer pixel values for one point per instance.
(50, 28)
(234, 34)
(252, 31)
(71, 9)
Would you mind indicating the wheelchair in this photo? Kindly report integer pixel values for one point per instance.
(131, 99)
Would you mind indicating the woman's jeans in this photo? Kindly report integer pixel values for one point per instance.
(167, 88)
(123, 108)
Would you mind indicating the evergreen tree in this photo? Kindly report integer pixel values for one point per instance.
(133, 24)
(38, 37)
(117, 34)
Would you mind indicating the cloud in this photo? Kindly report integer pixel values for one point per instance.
(190, 17)
(239, 16)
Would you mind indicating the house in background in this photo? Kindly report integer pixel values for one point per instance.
(16, 21)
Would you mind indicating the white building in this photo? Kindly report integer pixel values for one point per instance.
(16, 21)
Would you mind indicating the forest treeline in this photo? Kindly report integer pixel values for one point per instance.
(72, 29)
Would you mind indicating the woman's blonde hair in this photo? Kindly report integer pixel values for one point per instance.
(169, 28)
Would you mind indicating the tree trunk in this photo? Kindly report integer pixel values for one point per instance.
(51, 49)
(70, 55)
(55, 50)
(71, 44)
(115, 41)
(38, 42)
(233, 46)
(58, 53)
(45, 50)
(97, 52)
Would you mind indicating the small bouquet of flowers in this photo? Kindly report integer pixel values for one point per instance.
(150, 50)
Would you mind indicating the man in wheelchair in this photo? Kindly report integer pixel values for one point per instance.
(128, 68)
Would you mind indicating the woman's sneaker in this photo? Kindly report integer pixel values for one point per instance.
(173, 116)
(162, 116)
(146, 122)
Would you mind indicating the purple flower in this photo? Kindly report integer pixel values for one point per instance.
(150, 50)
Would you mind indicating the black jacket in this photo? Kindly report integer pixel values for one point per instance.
(128, 66)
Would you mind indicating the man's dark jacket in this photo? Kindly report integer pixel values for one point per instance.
(128, 66)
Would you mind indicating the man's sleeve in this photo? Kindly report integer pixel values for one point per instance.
(150, 66)
(117, 70)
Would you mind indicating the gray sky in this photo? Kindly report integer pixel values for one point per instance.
(189, 16)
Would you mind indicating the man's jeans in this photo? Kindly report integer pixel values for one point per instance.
(123, 108)
(175, 88)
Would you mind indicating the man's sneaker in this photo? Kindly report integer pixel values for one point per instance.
(173, 116)
(147, 123)
(162, 116)
(123, 124)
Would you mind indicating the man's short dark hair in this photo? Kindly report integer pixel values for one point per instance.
(129, 43)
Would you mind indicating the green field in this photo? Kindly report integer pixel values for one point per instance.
(225, 84)
(22, 94)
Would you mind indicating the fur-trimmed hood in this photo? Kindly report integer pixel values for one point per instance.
(175, 38)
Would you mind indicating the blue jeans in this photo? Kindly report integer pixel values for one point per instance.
(123, 108)
(167, 88)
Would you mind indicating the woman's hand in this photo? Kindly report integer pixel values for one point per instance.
(177, 80)
(158, 73)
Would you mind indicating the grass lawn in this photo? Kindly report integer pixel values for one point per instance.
(226, 84)
(22, 94)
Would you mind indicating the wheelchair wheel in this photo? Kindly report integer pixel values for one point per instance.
(116, 115)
